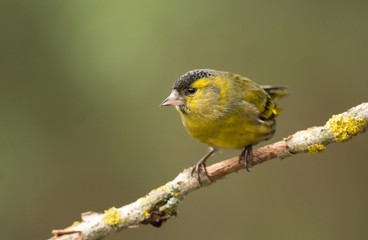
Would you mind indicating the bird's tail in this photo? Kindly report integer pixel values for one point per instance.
(275, 92)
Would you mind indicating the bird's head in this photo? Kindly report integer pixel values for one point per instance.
(200, 93)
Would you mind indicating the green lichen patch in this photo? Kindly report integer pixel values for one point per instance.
(345, 127)
(316, 148)
(159, 209)
(112, 216)
(171, 206)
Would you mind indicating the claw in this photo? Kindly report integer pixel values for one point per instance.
(247, 155)
(197, 168)
(201, 164)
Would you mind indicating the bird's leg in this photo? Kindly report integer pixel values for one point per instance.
(202, 164)
(247, 155)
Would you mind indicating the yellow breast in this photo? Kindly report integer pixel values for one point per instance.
(234, 131)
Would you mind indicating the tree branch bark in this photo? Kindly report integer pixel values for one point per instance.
(161, 204)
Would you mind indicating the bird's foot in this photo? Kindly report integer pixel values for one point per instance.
(196, 170)
(247, 155)
(201, 164)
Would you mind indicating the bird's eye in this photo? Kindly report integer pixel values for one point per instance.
(191, 90)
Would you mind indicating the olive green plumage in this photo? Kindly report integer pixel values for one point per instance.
(225, 110)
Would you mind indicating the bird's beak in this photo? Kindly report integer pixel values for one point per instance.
(173, 99)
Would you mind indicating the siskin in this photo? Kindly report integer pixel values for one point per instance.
(225, 111)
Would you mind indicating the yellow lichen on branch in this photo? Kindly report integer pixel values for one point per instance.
(345, 127)
(112, 216)
(316, 148)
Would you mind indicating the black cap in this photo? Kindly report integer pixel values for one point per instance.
(188, 78)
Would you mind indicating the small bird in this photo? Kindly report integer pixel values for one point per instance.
(225, 111)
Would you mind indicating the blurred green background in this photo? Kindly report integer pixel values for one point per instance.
(81, 130)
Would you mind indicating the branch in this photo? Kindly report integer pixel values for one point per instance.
(161, 204)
